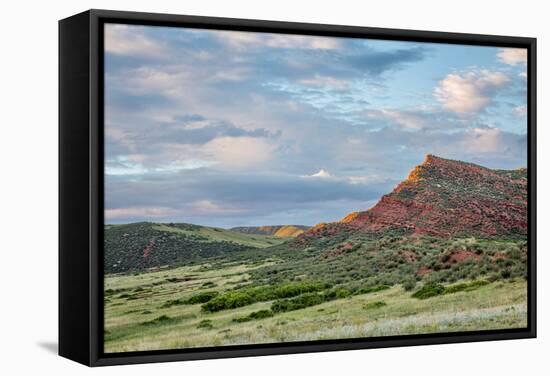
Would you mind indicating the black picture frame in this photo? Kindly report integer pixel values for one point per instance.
(81, 186)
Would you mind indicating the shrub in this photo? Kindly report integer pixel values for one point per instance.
(409, 284)
(368, 290)
(429, 290)
(505, 273)
(299, 302)
(289, 290)
(246, 296)
(202, 297)
(294, 289)
(258, 315)
(374, 305)
(233, 299)
(161, 320)
(262, 314)
(465, 286)
(205, 324)
(338, 293)
(173, 302)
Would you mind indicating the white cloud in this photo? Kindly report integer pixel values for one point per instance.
(325, 81)
(207, 207)
(239, 152)
(321, 174)
(353, 180)
(484, 140)
(520, 110)
(190, 164)
(230, 74)
(118, 169)
(512, 56)
(366, 180)
(139, 212)
(406, 119)
(126, 40)
(243, 39)
(469, 91)
(147, 80)
(125, 166)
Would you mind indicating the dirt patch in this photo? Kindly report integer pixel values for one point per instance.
(461, 255)
(408, 256)
(148, 248)
(423, 271)
(340, 249)
(499, 256)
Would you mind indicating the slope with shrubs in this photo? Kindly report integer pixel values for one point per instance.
(280, 231)
(444, 198)
(142, 246)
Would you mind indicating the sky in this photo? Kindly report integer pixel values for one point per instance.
(225, 128)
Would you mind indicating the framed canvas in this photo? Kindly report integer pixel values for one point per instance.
(234, 187)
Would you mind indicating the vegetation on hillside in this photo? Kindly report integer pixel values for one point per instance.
(137, 317)
(141, 246)
(445, 251)
(281, 231)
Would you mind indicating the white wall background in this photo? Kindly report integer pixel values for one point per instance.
(28, 213)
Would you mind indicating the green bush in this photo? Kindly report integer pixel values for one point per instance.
(289, 290)
(409, 284)
(262, 314)
(465, 286)
(429, 290)
(173, 302)
(505, 273)
(246, 296)
(161, 320)
(338, 293)
(374, 305)
(299, 302)
(368, 290)
(258, 315)
(233, 299)
(205, 324)
(202, 297)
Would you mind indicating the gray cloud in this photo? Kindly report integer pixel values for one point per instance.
(224, 134)
(377, 62)
(207, 193)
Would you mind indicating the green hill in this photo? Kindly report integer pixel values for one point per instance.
(145, 245)
(214, 234)
(280, 231)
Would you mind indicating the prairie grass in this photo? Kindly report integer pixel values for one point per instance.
(147, 322)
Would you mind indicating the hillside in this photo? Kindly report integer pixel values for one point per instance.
(440, 198)
(144, 245)
(280, 231)
(445, 251)
(444, 198)
(449, 220)
(214, 234)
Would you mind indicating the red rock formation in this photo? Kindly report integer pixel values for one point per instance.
(443, 198)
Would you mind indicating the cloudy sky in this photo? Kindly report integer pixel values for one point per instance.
(225, 128)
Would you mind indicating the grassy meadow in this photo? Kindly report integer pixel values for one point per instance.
(165, 309)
